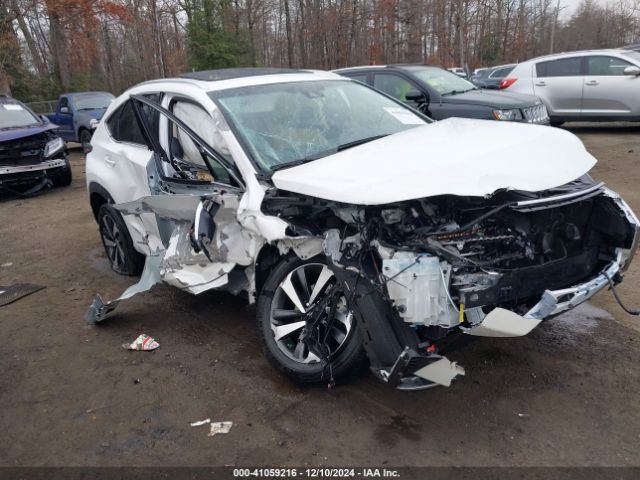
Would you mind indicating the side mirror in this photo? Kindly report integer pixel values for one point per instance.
(64, 109)
(415, 96)
(44, 118)
(633, 70)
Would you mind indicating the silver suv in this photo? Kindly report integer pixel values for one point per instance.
(593, 85)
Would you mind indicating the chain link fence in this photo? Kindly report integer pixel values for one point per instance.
(47, 106)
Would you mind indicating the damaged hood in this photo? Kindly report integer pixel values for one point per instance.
(455, 156)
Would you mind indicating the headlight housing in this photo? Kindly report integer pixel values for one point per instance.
(53, 146)
(507, 115)
(93, 123)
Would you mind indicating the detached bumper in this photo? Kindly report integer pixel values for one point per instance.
(12, 176)
(504, 323)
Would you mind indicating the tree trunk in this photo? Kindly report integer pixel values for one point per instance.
(58, 45)
(287, 19)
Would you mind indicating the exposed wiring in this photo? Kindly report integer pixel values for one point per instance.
(615, 295)
(446, 290)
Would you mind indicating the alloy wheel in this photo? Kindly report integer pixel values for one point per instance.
(309, 314)
(113, 242)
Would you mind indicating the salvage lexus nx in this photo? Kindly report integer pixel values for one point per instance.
(348, 218)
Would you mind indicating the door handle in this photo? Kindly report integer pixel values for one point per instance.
(541, 84)
(109, 161)
(592, 83)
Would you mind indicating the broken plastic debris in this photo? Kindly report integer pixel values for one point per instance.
(220, 427)
(200, 423)
(441, 372)
(143, 342)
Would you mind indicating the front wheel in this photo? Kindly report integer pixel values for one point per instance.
(307, 331)
(85, 141)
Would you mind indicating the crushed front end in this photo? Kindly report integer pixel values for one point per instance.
(35, 161)
(419, 273)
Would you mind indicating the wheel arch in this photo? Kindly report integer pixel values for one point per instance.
(98, 196)
(267, 258)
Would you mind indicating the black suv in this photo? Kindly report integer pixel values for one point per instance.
(441, 94)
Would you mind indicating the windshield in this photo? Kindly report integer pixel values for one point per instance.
(14, 115)
(91, 102)
(442, 81)
(290, 123)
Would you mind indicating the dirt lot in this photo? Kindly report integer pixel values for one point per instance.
(69, 393)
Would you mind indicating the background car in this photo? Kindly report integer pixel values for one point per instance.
(77, 114)
(459, 71)
(441, 94)
(593, 85)
(491, 77)
(32, 155)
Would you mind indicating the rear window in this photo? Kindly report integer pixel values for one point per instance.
(501, 72)
(14, 115)
(565, 67)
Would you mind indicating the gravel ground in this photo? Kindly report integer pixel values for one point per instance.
(567, 394)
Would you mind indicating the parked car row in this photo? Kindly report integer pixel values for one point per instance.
(365, 232)
(441, 94)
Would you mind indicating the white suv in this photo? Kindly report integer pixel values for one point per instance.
(594, 85)
(349, 218)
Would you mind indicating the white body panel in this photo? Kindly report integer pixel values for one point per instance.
(420, 163)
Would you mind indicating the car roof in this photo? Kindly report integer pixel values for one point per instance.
(606, 51)
(396, 66)
(227, 78)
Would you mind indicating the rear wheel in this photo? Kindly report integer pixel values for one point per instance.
(118, 246)
(307, 330)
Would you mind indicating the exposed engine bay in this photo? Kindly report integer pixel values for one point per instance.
(442, 264)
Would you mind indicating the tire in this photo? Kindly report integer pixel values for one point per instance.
(85, 140)
(291, 355)
(63, 179)
(117, 243)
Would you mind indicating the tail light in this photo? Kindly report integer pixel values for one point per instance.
(506, 83)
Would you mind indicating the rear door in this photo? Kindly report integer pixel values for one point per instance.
(124, 157)
(559, 83)
(608, 92)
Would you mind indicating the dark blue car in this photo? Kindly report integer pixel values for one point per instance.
(32, 155)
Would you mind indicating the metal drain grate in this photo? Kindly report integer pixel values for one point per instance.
(17, 291)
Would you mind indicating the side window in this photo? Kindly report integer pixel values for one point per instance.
(566, 67)
(361, 77)
(64, 103)
(393, 85)
(601, 66)
(188, 159)
(123, 125)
